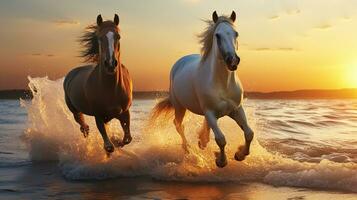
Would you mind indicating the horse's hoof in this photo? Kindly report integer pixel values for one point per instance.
(220, 162)
(116, 142)
(127, 139)
(240, 154)
(109, 149)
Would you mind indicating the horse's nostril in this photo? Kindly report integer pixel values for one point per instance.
(115, 62)
(229, 59)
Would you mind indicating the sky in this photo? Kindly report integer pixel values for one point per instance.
(283, 44)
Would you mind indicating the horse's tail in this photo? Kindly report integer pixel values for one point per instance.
(163, 107)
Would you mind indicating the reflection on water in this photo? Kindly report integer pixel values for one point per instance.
(43, 181)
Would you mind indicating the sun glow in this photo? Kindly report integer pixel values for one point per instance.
(352, 76)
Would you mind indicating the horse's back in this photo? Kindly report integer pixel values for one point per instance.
(184, 62)
(182, 90)
(74, 87)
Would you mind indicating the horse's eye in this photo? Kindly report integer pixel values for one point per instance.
(217, 36)
(236, 34)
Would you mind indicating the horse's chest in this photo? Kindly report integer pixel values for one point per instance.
(113, 111)
(111, 106)
(225, 103)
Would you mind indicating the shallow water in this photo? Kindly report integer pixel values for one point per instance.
(309, 144)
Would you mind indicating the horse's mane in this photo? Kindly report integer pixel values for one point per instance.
(206, 37)
(89, 43)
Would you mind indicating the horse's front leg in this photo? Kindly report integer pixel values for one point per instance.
(124, 119)
(102, 127)
(238, 115)
(221, 158)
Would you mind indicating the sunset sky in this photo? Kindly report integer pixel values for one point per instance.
(283, 44)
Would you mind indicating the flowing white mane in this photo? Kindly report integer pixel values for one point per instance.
(206, 37)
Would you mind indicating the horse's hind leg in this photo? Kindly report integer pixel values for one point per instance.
(203, 135)
(239, 116)
(78, 116)
(179, 115)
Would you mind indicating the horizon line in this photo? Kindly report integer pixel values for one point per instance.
(250, 91)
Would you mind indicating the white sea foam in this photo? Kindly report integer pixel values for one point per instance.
(155, 151)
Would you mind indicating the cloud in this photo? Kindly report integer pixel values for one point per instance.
(323, 26)
(42, 55)
(262, 49)
(346, 18)
(286, 49)
(285, 13)
(65, 22)
(274, 17)
(293, 11)
(274, 49)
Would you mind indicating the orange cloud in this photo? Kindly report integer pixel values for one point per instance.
(65, 22)
(40, 54)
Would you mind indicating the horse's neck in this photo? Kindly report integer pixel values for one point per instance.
(110, 82)
(221, 76)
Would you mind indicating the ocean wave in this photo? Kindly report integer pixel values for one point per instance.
(12, 163)
(155, 151)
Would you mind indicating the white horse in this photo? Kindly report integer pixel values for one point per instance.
(207, 85)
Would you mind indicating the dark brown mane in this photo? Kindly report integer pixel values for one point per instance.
(89, 41)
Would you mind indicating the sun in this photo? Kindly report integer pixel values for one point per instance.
(352, 76)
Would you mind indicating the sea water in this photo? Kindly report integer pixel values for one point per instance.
(298, 143)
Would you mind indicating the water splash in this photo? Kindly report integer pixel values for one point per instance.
(155, 151)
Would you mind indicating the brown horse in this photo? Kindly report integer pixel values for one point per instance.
(103, 90)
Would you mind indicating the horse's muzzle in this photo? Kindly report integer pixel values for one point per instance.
(232, 62)
(111, 67)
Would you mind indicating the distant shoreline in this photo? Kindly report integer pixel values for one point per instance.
(298, 94)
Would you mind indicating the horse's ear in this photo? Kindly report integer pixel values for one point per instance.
(214, 17)
(116, 19)
(99, 20)
(233, 16)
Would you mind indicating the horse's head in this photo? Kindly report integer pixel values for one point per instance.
(226, 38)
(109, 45)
